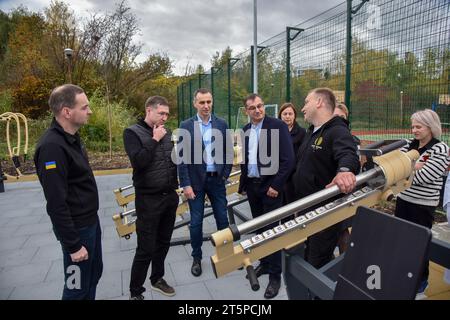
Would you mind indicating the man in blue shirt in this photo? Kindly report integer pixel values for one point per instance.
(269, 160)
(206, 150)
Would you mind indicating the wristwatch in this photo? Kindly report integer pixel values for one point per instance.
(343, 169)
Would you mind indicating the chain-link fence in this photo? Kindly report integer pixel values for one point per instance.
(390, 59)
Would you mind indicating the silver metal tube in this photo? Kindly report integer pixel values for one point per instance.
(302, 204)
(125, 188)
(235, 173)
(127, 213)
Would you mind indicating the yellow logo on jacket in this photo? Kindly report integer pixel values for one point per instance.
(317, 143)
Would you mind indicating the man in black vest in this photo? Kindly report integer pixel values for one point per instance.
(149, 146)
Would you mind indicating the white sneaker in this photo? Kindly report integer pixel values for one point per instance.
(421, 296)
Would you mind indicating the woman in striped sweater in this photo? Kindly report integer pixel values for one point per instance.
(418, 203)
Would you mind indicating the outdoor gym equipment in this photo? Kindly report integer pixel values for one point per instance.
(390, 175)
(14, 152)
(126, 221)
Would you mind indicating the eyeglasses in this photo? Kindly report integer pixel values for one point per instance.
(253, 108)
(205, 102)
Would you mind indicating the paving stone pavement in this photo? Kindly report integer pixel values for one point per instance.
(31, 259)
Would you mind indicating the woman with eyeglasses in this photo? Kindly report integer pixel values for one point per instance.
(418, 203)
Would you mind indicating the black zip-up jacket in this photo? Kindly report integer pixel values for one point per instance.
(69, 185)
(297, 135)
(153, 169)
(321, 155)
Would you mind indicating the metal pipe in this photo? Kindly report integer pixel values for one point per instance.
(302, 204)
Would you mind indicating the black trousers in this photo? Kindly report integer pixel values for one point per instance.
(320, 246)
(260, 203)
(154, 227)
(418, 214)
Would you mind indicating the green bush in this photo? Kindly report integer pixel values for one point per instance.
(6, 101)
(96, 133)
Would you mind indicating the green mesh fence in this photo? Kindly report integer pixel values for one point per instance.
(400, 63)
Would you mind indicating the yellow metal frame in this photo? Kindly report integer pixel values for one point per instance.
(15, 151)
(397, 168)
(125, 225)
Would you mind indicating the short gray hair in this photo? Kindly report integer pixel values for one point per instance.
(327, 96)
(430, 119)
(63, 96)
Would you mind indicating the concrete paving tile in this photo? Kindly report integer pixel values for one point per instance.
(39, 291)
(17, 257)
(56, 271)
(177, 253)
(12, 243)
(115, 261)
(31, 229)
(182, 272)
(109, 232)
(236, 287)
(45, 219)
(48, 253)
(110, 285)
(110, 245)
(24, 275)
(129, 244)
(21, 221)
(5, 293)
(7, 232)
(42, 239)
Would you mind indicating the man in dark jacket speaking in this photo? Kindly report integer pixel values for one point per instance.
(148, 145)
(328, 156)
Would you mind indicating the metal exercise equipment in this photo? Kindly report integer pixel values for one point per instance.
(385, 261)
(390, 175)
(14, 152)
(125, 221)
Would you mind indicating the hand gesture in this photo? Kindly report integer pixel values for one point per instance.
(159, 132)
(189, 193)
(346, 181)
(80, 255)
(272, 193)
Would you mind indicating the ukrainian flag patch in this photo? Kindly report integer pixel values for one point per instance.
(50, 165)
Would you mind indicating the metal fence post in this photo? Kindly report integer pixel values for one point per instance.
(289, 38)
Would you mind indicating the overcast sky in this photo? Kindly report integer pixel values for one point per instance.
(191, 31)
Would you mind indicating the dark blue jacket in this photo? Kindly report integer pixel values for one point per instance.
(286, 156)
(194, 175)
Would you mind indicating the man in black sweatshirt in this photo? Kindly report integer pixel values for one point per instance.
(148, 145)
(328, 156)
(71, 192)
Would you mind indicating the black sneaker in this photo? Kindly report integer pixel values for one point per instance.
(162, 287)
(138, 297)
(196, 268)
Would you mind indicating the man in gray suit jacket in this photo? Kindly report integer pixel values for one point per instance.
(206, 150)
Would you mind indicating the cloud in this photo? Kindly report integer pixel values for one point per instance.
(191, 31)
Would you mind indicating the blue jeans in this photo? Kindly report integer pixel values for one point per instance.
(81, 278)
(215, 189)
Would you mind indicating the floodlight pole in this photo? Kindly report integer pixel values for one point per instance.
(255, 45)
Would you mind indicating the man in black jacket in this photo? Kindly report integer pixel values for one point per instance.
(328, 156)
(269, 159)
(71, 192)
(148, 145)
